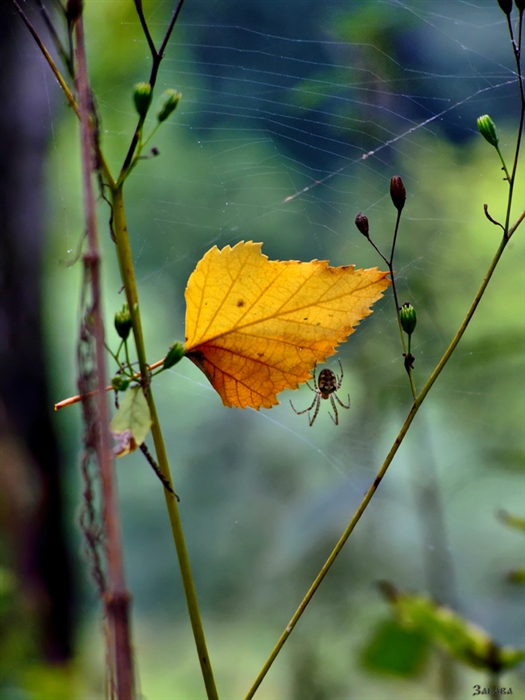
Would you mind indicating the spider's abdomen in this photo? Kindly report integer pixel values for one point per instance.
(327, 383)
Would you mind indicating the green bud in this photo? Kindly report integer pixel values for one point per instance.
(487, 129)
(408, 318)
(361, 221)
(175, 354)
(171, 99)
(506, 6)
(120, 383)
(398, 192)
(142, 95)
(123, 322)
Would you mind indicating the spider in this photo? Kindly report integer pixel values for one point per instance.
(325, 388)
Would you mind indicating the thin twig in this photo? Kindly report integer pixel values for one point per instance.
(153, 464)
(170, 29)
(75, 399)
(48, 58)
(66, 58)
(145, 28)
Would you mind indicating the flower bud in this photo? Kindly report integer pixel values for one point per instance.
(175, 354)
(487, 129)
(361, 221)
(171, 99)
(506, 6)
(408, 318)
(398, 192)
(123, 322)
(142, 95)
(120, 383)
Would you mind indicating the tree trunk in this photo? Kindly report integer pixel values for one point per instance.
(31, 502)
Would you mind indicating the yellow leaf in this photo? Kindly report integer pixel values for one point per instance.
(256, 326)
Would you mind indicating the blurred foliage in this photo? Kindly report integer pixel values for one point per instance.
(395, 650)
(264, 497)
(457, 636)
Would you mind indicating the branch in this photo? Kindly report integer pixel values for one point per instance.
(117, 598)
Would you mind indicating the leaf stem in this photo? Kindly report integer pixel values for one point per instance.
(382, 471)
(128, 278)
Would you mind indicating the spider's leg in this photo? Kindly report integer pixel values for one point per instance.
(314, 378)
(317, 401)
(340, 379)
(336, 419)
(299, 413)
(340, 402)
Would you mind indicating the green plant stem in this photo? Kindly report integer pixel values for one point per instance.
(128, 277)
(382, 471)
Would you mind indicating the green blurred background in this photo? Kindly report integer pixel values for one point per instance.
(276, 97)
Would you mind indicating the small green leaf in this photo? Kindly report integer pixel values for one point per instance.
(132, 422)
(395, 650)
(458, 637)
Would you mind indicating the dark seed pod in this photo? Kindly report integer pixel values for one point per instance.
(361, 221)
(398, 192)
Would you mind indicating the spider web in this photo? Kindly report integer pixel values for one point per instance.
(294, 117)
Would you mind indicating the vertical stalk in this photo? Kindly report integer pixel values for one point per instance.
(120, 232)
(117, 598)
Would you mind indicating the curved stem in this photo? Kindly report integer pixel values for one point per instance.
(128, 277)
(381, 473)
